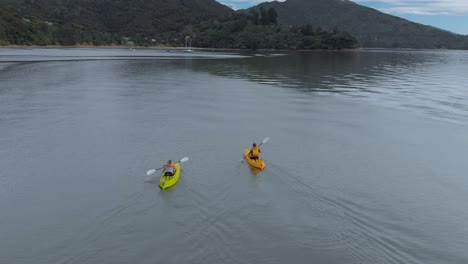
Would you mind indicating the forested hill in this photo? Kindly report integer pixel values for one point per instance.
(156, 22)
(371, 27)
(101, 21)
(125, 16)
(315, 24)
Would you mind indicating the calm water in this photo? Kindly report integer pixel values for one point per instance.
(366, 163)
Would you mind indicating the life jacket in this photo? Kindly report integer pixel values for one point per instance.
(255, 151)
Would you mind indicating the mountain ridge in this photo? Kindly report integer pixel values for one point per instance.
(371, 27)
(167, 22)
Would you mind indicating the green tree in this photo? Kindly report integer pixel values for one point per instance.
(273, 16)
(255, 16)
(264, 18)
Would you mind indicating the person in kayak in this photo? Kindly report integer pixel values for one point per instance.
(169, 168)
(254, 152)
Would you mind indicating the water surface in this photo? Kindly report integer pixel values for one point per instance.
(366, 163)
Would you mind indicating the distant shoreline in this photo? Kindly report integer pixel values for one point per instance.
(169, 48)
(121, 47)
(163, 48)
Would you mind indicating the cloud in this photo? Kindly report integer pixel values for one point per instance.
(420, 7)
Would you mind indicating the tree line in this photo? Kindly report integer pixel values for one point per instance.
(243, 30)
(260, 30)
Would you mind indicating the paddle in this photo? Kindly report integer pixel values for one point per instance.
(263, 142)
(184, 159)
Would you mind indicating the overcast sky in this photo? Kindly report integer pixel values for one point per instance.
(451, 15)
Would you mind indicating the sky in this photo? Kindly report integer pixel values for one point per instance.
(451, 15)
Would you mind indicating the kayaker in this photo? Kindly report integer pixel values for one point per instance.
(254, 152)
(169, 168)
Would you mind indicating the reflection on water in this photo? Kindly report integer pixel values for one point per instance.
(254, 171)
(428, 82)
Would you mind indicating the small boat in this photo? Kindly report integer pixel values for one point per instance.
(168, 181)
(256, 163)
(188, 45)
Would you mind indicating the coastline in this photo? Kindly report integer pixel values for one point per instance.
(176, 48)
(120, 46)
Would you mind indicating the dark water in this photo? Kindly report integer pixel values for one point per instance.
(366, 163)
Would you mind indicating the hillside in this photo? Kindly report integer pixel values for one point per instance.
(126, 16)
(260, 30)
(371, 27)
(155, 22)
(102, 21)
(167, 22)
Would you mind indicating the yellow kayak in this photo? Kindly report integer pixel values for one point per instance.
(258, 163)
(169, 181)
